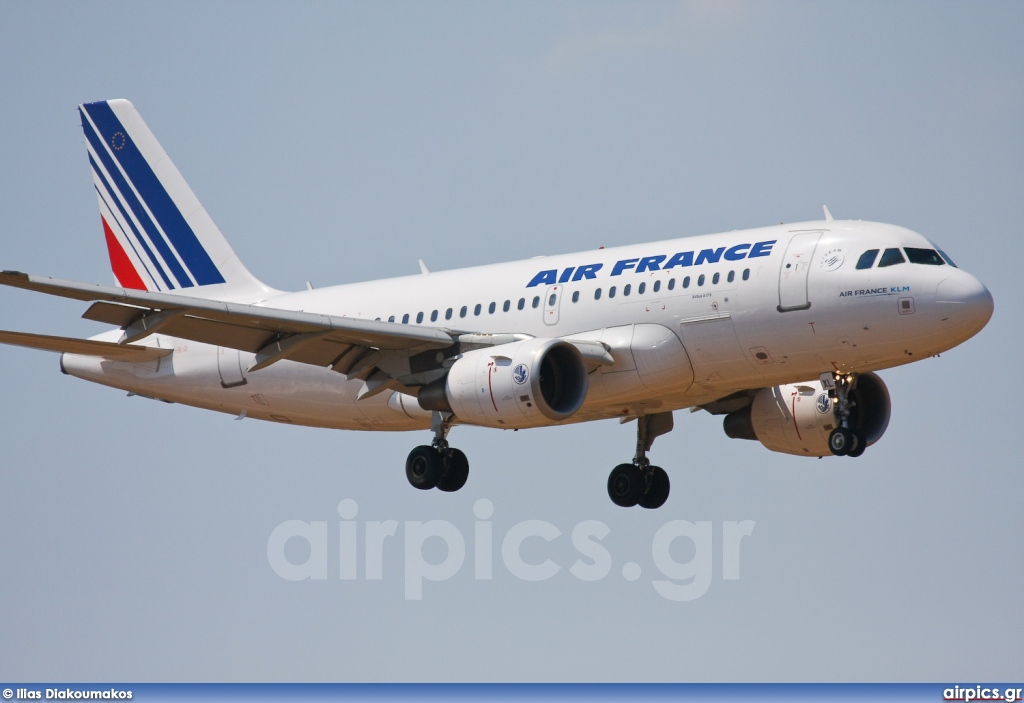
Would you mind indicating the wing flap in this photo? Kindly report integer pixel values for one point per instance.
(217, 333)
(112, 314)
(85, 347)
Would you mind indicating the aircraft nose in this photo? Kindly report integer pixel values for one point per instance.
(964, 303)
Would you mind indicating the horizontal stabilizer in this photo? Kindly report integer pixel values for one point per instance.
(85, 347)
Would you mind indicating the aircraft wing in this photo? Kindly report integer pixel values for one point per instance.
(347, 345)
(85, 347)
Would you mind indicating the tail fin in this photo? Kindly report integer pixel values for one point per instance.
(158, 234)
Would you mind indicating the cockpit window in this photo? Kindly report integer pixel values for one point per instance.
(923, 256)
(891, 257)
(945, 256)
(867, 259)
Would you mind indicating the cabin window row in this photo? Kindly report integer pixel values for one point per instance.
(535, 302)
(671, 285)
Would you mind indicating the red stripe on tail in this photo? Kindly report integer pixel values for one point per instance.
(124, 271)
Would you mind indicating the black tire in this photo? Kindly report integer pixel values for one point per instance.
(657, 489)
(456, 471)
(423, 467)
(861, 444)
(840, 441)
(625, 485)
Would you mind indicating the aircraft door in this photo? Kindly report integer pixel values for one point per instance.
(551, 300)
(793, 274)
(229, 363)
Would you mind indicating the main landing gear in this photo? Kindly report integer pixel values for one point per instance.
(844, 440)
(438, 465)
(640, 483)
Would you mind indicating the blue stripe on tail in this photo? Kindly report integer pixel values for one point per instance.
(124, 215)
(129, 199)
(159, 202)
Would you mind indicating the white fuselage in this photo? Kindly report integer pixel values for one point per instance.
(680, 336)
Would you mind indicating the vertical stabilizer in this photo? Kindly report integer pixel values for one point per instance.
(159, 236)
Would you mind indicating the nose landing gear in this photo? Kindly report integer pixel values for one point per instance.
(438, 465)
(640, 483)
(844, 440)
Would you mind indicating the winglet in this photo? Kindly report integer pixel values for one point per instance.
(828, 215)
(423, 268)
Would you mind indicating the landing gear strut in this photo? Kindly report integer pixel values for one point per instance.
(438, 465)
(639, 483)
(844, 440)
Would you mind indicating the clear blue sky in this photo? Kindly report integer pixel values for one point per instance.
(338, 142)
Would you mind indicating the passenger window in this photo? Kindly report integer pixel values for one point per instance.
(641, 288)
(476, 310)
(686, 282)
(462, 312)
(448, 314)
(575, 296)
(522, 303)
(867, 259)
(891, 257)
(611, 292)
(536, 300)
(657, 286)
(405, 319)
(597, 294)
(626, 289)
(491, 308)
(732, 276)
(506, 306)
(700, 280)
(923, 256)
(716, 278)
(552, 299)
(419, 318)
(433, 316)
(746, 274)
(671, 283)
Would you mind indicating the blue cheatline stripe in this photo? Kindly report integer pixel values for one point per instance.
(117, 224)
(173, 223)
(126, 218)
(128, 196)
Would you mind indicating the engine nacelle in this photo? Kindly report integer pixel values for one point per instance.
(797, 418)
(523, 384)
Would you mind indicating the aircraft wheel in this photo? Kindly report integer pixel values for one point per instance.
(841, 441)
(657, 489)
(626, 485)
(423, 467)
(456, 471)
(860, 445)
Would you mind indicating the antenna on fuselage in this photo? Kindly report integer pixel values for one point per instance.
(828, 215)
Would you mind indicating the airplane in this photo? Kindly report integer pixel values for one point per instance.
(780, 330)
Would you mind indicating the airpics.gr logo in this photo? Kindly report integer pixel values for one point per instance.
(520, 373)
(528, 550)
(824, 403)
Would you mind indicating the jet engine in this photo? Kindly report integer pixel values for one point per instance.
(797, 418)
(531, 383)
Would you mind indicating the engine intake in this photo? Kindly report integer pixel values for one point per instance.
(523, 384)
